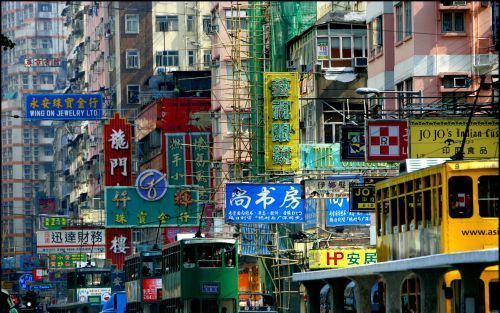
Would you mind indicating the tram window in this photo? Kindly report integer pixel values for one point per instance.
(209, 306)
(410, 295)
(394, 216)
(402, 213)
(494, 290)
(409, 212)
(427, 208)
(418, 209)
(188, 257)
(460, 196)
(488, 196)
(386, 217)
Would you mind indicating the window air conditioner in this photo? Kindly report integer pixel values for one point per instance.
(213, 29)
(460, 82)
(459, 3)
(215, 63)
(360, 62)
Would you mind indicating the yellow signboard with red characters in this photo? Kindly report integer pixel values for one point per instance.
(339, 258)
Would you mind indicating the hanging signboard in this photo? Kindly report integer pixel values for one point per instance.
(176, 159)
(281, 121)
(118, 245)
(63, 107)
(117, 152)
(71, 241)
(264, 203)
(353, 143)
(387, 140)
(48, 222)
(338, 214)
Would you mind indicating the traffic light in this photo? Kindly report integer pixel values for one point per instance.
(30, 299)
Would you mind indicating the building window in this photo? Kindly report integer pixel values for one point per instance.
(190, 23)
(191, 58)
(408, 18)
(46, 43)
(206, 23)
(399, 22)
(375, 36)
(207, 58)
(244, 122)
(133, 59)
(167, 23)
(46, 79)
(405, 99)
(216, 123)
(167, 58)
(403, 20)
(45, 7)
(453, 22)
(235, 17)
(133, 92)
(131, 24)
(341, 48)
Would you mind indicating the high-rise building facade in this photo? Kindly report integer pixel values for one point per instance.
(34, 65)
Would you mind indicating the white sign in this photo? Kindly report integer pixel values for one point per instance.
(71, 241)
(84, 293)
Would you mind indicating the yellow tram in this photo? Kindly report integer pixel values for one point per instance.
(450, 207)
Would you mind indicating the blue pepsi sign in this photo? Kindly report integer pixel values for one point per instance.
(338, 214)
(264, 203)
(63, 107)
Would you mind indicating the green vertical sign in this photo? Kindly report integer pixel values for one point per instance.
(176, 159)
(200, 153)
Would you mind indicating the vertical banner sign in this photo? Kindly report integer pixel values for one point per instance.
(442, 138)
(311, 207)
(176, 159)
(117, 152)
(200, 153)
(353, 143)
(118, 245)
(281, 117)
(387, 140)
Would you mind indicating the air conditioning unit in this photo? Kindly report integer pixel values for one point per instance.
(459, 3)
(97, 204)
(483, 60)
(85, 156)
(215, 62)
(460, 82)
(360, 62)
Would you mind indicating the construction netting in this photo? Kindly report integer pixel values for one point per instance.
(288, 19)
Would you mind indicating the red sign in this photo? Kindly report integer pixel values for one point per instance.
(47, 206)
(387, 140)
(151, 289)
(117, 152)
(39, 273)
(118, 245)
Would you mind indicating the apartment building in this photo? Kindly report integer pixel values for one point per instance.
(438, 48)
(35, 65)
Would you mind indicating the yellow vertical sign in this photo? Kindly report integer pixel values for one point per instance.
(281, 121)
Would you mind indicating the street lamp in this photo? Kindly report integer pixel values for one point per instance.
(368, 90)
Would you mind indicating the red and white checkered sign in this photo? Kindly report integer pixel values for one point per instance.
(387, 140)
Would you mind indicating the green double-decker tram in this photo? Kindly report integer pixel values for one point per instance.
(200, 275)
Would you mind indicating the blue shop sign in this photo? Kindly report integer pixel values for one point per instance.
(63, 107)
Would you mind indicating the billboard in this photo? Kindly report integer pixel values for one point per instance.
(264, 203)
(71, 241)
(176, 166)
(339, 258)
(442, 138)
(47, 206)
(63, 107)
(83, 294)
(311, 207)
(281, 121)
(117, 142)
(180, 206)
(332, 187)
(65, 260)
(362, 198)
(387, 140)
(151, 289)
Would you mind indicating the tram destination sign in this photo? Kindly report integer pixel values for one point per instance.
(362, 198)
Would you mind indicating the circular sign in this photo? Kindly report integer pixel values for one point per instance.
(24, 279)
(151, 185)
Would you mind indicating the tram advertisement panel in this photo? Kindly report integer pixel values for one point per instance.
(339, 258)
(151, 289)
(264, 203)
(442, 138)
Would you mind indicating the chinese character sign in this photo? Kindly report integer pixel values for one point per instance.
(339, 258)
(63, 107)
(71, 241)
(264, 203)
(338, 214)
(65, 260)
(53, 222)
(125, 208)
(118, 245)
(56, 62)
(281, 116)
(117, 152)
(439, 138)
(200, 155)
(175, 145)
